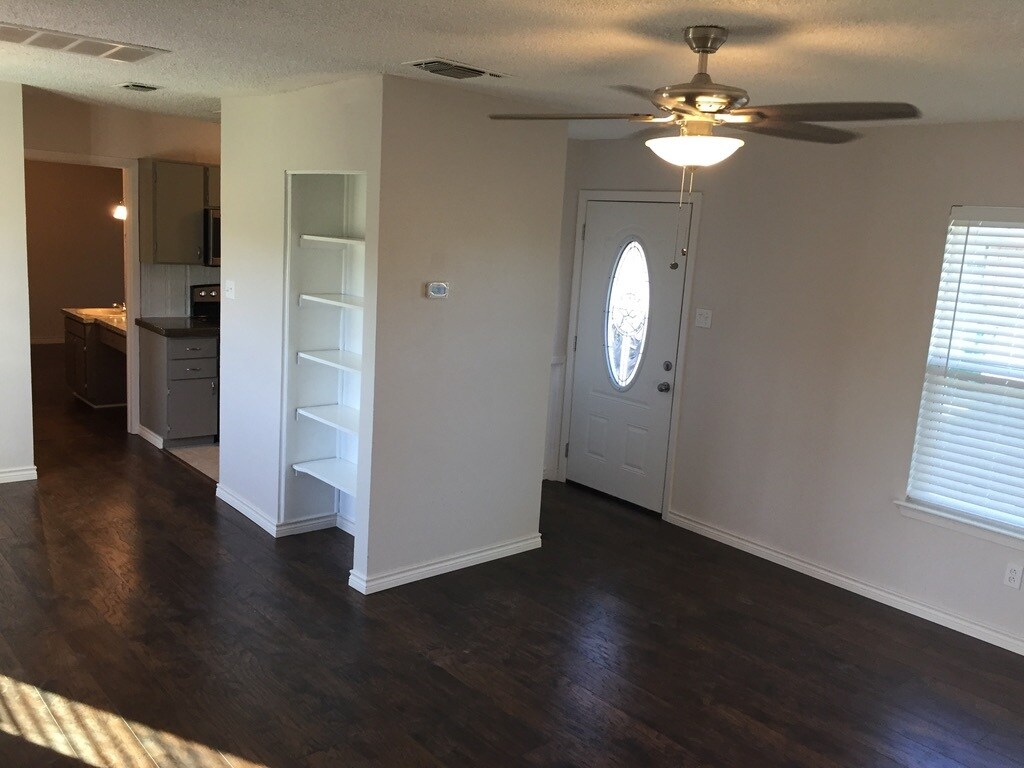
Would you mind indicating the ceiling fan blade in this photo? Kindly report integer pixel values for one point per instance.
(799, 131)
(833, 111)
(636, 117)
(634, 90)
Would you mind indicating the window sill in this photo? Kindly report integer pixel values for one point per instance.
(1007, 534)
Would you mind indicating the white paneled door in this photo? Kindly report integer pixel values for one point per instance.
(627, 339)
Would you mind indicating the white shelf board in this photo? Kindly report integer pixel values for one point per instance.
(335, 358)
(337, 473)
(341, 417)
(330, 240)
(333, 299)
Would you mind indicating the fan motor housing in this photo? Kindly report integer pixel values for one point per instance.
(701, 94)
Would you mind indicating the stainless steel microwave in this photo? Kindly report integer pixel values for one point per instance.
(211, 237)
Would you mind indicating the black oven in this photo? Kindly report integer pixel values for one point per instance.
(211, 237)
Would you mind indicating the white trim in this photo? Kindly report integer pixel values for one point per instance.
(589, 195)
(48, 340)
(150, 436)
(961, 522)
(882, 595)
(18, 475)
(277, 530)
(347, 524)
(293, 527)
(370, 584)
(250, 510)
(132, 270)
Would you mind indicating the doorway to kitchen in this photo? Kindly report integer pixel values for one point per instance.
(75, 221)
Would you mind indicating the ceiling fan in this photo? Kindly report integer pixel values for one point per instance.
(702, 104)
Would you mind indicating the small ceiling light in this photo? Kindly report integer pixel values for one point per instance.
(691, 151)
(121, 211)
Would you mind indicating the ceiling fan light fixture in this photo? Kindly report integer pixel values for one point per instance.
(694, 151)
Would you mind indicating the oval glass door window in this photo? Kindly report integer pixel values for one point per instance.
(629, 304)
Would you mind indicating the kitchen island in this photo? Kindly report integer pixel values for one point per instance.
(94, 355)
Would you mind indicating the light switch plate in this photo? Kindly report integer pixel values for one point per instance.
(228, 289)
(703, 318)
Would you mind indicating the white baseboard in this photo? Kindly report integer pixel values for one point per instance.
(346, 524)
(277, 530)
(305, 526)
(376, 583)
(151, 437)
(251, 511)
(852, 584)
(18, 475)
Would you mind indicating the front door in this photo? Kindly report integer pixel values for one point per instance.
(627, 339)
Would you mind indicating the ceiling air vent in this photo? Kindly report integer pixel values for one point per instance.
(69, 42)
(449, 68)
(139, 87)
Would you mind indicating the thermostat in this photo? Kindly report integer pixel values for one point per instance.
(437, 290)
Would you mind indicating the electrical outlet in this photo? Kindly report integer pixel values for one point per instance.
(703, 318)
(1013, 575)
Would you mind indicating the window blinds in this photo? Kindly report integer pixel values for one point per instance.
(969, 446)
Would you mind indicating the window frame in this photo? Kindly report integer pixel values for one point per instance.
(1001, 527)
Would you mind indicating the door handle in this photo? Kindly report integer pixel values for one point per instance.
(664, 386)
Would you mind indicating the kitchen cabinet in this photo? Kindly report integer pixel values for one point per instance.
(172, 197)
(95, 370)
(213, 186)
(178, 386)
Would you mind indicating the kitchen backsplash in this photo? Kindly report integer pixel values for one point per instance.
(165, 287)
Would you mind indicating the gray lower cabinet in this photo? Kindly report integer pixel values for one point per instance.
(179, 391)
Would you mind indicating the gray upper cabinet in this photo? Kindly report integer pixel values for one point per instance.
(172, 196)
(213, 186)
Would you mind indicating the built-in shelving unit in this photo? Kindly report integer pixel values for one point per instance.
(324, 367)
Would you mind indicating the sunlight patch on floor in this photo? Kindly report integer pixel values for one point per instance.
(97, 737)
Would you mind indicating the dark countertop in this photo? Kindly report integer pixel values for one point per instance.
(176, 327)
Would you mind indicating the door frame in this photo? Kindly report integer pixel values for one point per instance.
(653, 196)
(132, 272)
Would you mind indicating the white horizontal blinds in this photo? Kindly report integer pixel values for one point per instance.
(969, 447)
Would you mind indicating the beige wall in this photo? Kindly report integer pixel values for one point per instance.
(461, 384)
(16, 455)
(75, 245)
(799, 404)
(56, 123)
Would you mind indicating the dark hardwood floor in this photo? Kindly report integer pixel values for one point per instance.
(144, 623)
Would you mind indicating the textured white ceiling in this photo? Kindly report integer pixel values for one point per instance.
(957, 61)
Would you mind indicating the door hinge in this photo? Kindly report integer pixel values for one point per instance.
(583, 236)
(574, 340)
(567, 450)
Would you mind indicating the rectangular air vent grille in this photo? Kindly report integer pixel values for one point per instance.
(449, 68)
(71, 43)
